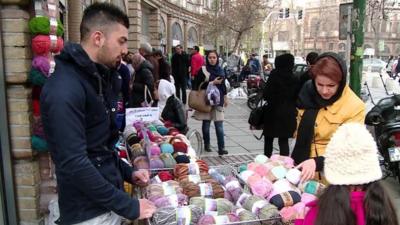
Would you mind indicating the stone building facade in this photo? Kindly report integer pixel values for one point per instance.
(29, 182)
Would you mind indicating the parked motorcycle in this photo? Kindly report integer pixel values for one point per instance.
(385, 118)
(255, 89)
(233, 78)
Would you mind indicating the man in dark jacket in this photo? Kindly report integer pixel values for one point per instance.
(180, 71)
(78, 104)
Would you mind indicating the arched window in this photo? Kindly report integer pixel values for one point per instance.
(163, 31)
(192, 37)
(177, 36)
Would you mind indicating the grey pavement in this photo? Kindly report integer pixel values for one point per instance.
(239, 139)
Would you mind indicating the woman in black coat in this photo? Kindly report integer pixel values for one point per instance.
(142, 78)
(280, 112)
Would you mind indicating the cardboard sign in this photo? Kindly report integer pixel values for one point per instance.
(146, 114)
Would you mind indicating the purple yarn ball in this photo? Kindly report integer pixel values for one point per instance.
(156, 163)
(42, 64)
(168, 200)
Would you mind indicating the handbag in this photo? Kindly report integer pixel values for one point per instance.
(145, 103)
(256, 118)
(197, 98)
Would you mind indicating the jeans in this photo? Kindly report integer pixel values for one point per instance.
(283, 146)
(219, 130)
(181, 86)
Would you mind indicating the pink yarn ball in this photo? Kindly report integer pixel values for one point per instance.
(261, 188)
(307, 198)
(252, 166)
(253, 179)
(289, 162)
(42, 64)
(261, 170)
(288, 214)
(155, 150)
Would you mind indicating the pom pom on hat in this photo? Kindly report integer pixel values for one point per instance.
(351, 156)
(42, 64)
(36, 77)
(39, 144)
(41, 25)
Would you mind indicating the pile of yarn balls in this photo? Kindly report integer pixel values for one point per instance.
(276, 180)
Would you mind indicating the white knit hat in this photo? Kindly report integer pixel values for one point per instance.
(351, 157)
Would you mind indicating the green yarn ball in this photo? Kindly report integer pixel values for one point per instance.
(36, 77)
(39, 144)
(242, 168)
(41, 25)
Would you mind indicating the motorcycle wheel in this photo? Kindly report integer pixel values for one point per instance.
(253, 101)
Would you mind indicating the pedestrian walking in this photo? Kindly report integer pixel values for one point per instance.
(197, 61)
(142, 83)
(280, 111)
(78, 105)
(216, 76)
(324, 103)
(356, 195)
(180, 69)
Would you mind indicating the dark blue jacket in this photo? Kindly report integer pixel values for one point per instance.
(78, 103)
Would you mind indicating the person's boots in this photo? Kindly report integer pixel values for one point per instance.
(222, 152)
(207, 148)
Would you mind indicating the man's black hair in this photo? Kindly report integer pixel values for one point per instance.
(101, 15)
(196, 48)
(311, 57)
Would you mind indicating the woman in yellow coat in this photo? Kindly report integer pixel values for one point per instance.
(324, 103)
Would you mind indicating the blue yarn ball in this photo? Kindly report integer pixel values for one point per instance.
(167, 148)
(39, 144)
(162, 130)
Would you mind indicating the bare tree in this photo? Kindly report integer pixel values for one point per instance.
(377, 12)
(237, 16)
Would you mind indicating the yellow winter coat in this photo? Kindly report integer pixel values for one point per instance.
(348, 108)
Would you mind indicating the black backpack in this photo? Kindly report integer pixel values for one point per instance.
(256, 118)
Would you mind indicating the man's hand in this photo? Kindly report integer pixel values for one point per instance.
(147, 208)
(307, 169)
(141, 177)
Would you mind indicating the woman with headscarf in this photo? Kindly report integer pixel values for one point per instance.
(142, 84)
(324, 102)
(280, 112)
(216, 76)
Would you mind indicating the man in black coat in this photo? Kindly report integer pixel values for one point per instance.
(78, 104)
(180, 72)
(280, 114)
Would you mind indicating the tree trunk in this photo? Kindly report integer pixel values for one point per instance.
(271, 44)
(237, 41)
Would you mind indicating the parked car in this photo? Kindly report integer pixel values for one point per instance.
(299, 69)
(299, 60)
(374, 65)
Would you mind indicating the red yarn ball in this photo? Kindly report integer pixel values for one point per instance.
(180, 147)
(41, 45)
(165, 176)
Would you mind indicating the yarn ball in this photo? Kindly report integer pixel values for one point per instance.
(165, 176)
(167, 148)
(209, 188)
(197, 167)
(168, 160)
(288, 214)
(242, 199)
(216, 175)
(276, 173)
(220, 205)
(132, 139)
(246, 174)
(42, 64)
(253, 178)
(209, 219)
(288, 198)
(162, 130)
(182, 159)
(261, 159)
(141, 162)
(281, 186)
(293, 176)
(312, 187)
(41, 25)
(157, 190)
(261, 188)
(128, 130)
(169, 215)
(41, 44)
(35, 105)
(180, 147)
(246, 215)
(287, 161)
(39, 144)
(307, 198)
(242, 168)
(170, 200)
(156, 163)
(36, 77)
(233, 188)
(137, 150)
(269, 211)
(152, 128)
(155, 150)
(255, 204)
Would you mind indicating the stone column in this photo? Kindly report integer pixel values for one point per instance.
(185, 35)
(135, 15)
(17, 62)
(200, 36)
(154, 28)
(169, 34)
(75, 14)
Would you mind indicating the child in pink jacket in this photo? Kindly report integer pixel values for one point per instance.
(355, 195)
